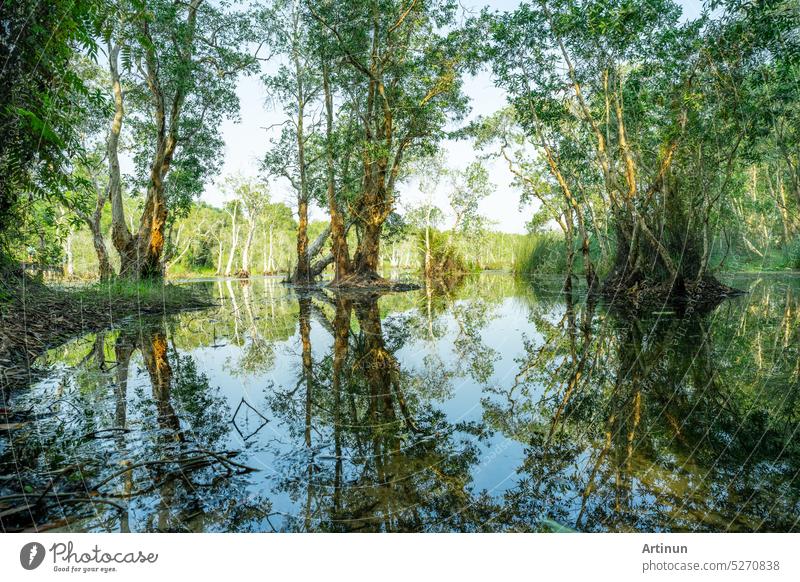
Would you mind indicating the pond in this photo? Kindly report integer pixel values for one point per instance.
(494, 404)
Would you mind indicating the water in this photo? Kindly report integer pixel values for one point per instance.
(494, 405)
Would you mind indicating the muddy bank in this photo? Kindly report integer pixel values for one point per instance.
(35, 317)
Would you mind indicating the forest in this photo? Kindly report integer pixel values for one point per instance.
(656, 150)
(649, 149)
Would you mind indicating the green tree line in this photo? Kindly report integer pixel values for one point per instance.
(655, 149)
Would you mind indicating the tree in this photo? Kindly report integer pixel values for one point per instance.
(182, 59)
(232, 209)
(89, 197)
(536, 182)
(255, 198)
(427, 216)
(296, 84)
(402, 81)
(468, 188)
(618, 97)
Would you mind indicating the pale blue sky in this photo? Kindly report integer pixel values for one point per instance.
(247, 141)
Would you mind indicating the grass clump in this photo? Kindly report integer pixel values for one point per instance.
(540, 253)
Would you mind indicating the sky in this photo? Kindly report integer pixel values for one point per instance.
(247, 140)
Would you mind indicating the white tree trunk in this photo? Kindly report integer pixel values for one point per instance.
(247, 244)
(220, 253)
(234, 242)
(272, 267)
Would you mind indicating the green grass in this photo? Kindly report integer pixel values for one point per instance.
(540, 253)
(741, 260)
(35, 317)
(151, 294)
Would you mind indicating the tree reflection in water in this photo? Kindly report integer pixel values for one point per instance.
(650, 424)
(396, 464)
(490, 404)
(156, 462)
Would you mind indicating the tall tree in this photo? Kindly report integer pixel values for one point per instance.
(183, 60)
(402, 82)
(297, 85)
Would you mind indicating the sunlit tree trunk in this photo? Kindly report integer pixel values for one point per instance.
(234, 238)
(341, 253)
(367, 255)
(120, 234)
(141, 255)
(247, 245)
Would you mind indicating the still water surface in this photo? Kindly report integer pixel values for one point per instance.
(495, 405)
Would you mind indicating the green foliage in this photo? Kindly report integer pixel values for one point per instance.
(792, 255)
(182, 61)
(42, 104)
(445, 257)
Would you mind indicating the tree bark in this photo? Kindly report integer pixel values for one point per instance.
(301, 274)
(70, 266)
(105, 270)
(234, 239)
(368, 251)
(271, 267)
(247, 244)
(141, 255)
(120, 235)
(341, 253)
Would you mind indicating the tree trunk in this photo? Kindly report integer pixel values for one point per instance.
(341, 253)
(152, 228)
(247, 244)
(301, 274)
(220, 253)
(103, 263)
(271, 268)
(368, 252)
(428, 242)
(234, 240)
(70, 266)
(141, 256)
(120, 235)
(264, 255)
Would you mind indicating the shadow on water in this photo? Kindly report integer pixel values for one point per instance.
(492, 404)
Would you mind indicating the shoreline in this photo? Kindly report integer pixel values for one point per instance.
(36, 317)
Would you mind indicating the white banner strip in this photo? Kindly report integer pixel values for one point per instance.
(401, 557)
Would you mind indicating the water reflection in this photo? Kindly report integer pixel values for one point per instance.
(489, 405)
